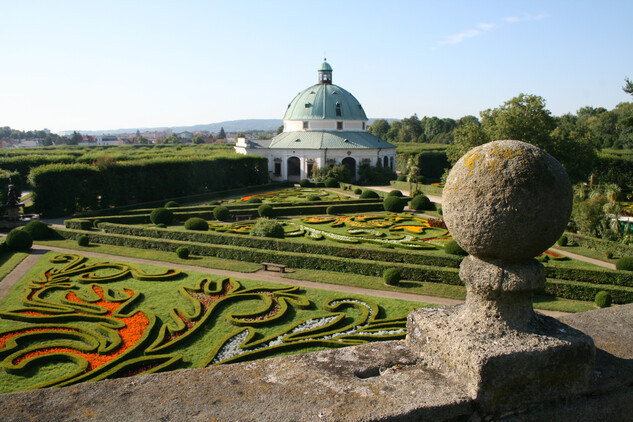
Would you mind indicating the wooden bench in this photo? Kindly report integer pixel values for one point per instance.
(239, 217)
(282, 268)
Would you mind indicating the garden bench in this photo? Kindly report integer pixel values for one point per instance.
(239, 217)
(282, 268)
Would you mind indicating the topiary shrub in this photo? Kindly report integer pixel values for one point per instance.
(421, 203)
(402, 178)
(265, 210)
(161, 226)
(438, 208)
(197, 223)
(172, 204)
(453, 248)
(214, 203)
(369, 194)
(254, 200)
(358, 191)
(331, 182)
(603, 299)
(393, 204)
(96, 223)
(182, 252)
(608, 254)
(38, 230)
(161, 215)
(563, 241)
(314, 198)
(330, 210)
(391, 276)
(18, 240)
(395, 193)
(221, 213)
(625, 263)
(83, 240)
(305, 183)
(265, 227)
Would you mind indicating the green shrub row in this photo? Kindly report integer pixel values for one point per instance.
(602, 276)
(292, 259)
(586, 291)
(600, 245)
(290, 245)
(62, 189)
(147, 207)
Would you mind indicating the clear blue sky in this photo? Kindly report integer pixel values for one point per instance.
(125, 64)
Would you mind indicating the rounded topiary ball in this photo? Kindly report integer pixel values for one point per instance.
(265, 210)
(391, 276)
(421, 203)
(562, 241)
(18, 240)
(625, 263)
(395, 193)
(402, 178)
(172, 204)
(314, 198)
(603, 299)
(196, 223)
(453, 248)
(221, 213)
(182, 252)
(83, 240)
(507, 201)
(358, 191)
(305, 183)
(330, 210)
(254, 200)
(369, 194)
(331, 182)
(265, 227)
(37, 229)
(161, 215)
(393, 204)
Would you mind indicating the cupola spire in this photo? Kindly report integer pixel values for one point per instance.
(325, 73)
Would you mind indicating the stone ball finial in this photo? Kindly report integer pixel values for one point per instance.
(507, 201)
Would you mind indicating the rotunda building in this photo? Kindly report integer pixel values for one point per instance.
(324, 125)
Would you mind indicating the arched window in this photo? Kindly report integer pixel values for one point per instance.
(338, 109)
(385, 162)
(294, 169)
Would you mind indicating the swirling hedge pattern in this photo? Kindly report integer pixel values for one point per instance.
(73, 316)
(404, 230)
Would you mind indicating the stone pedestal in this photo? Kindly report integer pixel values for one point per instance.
(504, 202)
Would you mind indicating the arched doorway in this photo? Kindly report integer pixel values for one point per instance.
(294, 169)
(385, 162)
(350, 163)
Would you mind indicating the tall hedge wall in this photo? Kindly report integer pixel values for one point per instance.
(63, 189)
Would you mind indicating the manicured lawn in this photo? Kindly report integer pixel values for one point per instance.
(431, 289)
(591, 253)
(200, 261)
(10, 260)
(72, 319)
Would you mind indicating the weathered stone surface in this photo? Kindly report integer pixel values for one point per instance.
(504, 368)
(507, 200)
(379, 381)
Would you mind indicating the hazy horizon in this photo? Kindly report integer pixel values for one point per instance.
(73, 65)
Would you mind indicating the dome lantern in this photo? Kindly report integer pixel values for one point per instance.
(325, 73)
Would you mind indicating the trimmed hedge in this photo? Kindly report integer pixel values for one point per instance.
(197, 223)
(422, 203)
(603, 299)
(62, 189)
(38, 230)
(221, 213)
(19, 240)
(182, 252)
(369, 194)
(391, 276)
(586, 291)
(290, 245)
(600, 245)
(625, 264)
(161, 216)
(394, 204)
(292, 259)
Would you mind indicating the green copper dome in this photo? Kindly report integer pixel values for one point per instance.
(325, 101)
(325, 66)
